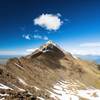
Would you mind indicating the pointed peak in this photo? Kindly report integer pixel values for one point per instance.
(50, 42)
(47, 46)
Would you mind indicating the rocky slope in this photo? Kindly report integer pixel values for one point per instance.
(49, 73)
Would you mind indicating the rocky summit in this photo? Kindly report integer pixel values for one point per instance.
(49, 73)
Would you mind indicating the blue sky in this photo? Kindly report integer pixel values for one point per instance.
(77, 25)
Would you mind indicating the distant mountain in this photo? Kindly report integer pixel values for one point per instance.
(49, 73)
(93, 58)
(5, 58)
(98, 60)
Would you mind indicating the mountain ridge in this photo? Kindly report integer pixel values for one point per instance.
(38, 72)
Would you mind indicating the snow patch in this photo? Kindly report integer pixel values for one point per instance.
(66, 91)
(2, 99)
(2, 86)
(20, 89)
(3, 95)
(50, 42)
(18, 66)
(22, 81)
(46, 50)
(75, 57)
(91, 94)
(36, 88)
(40, 98)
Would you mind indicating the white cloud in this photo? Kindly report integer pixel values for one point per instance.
(92, 44)
(58, 14)
(27, 36)
(86, 51)
(31, 50)
(49, 21)
(36, 36)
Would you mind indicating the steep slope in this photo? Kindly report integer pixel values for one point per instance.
(47, 69)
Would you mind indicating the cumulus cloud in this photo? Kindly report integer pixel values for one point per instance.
(49, 21)
(26, 36)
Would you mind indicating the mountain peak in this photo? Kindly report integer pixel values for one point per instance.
(48, 48)
(48, 45)
(50, 42)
